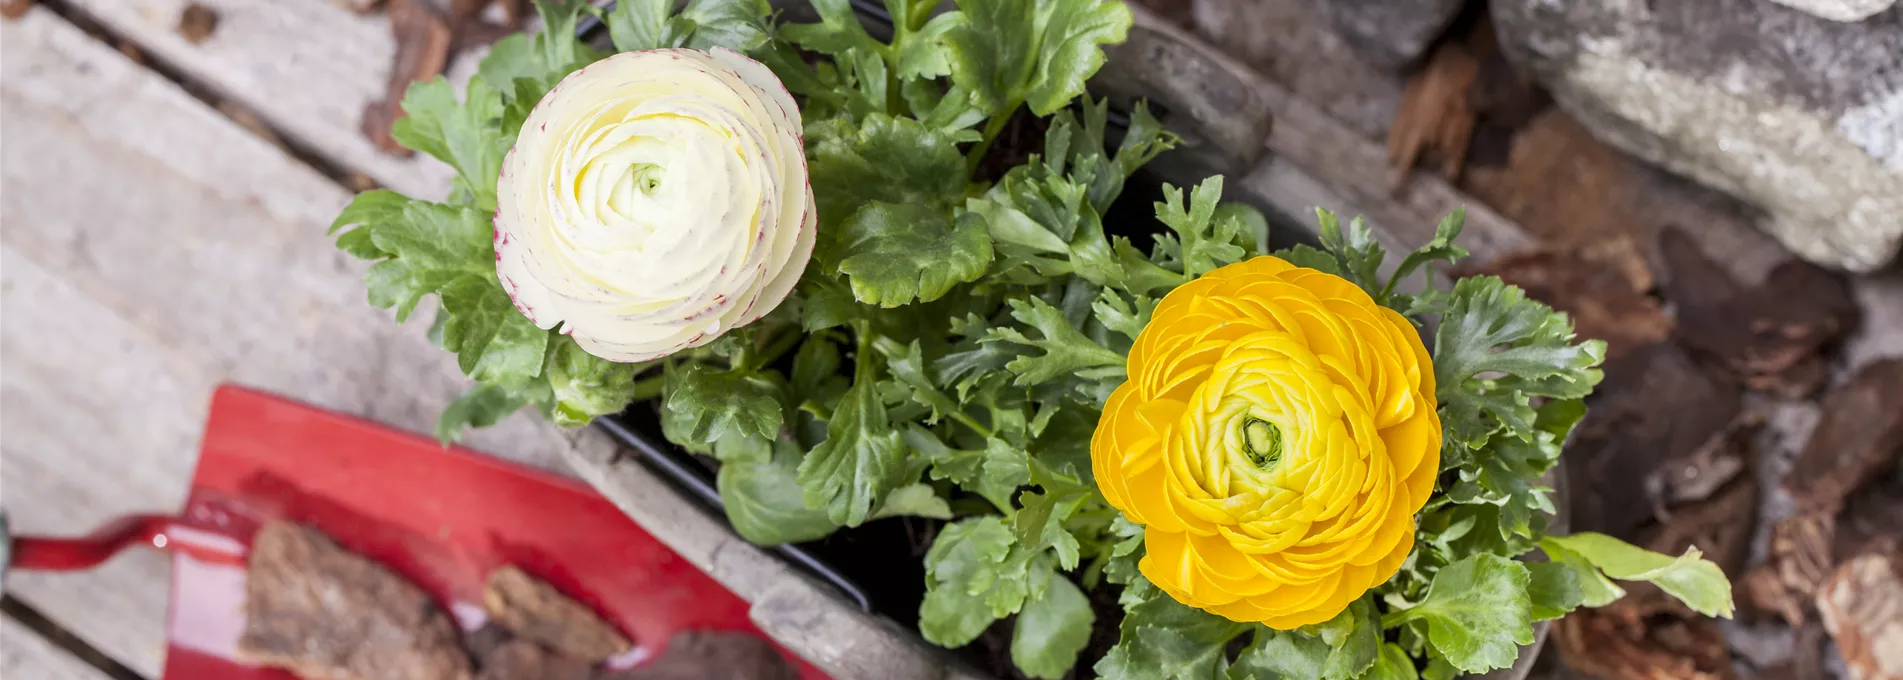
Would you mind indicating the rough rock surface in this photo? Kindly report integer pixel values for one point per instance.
(1798, 115)
(1840, 10)
(1391, 34)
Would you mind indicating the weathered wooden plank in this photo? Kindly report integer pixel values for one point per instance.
(24, 654)
(308, 68)
(153, 249)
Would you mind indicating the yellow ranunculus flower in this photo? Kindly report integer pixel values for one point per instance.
(1275, 438)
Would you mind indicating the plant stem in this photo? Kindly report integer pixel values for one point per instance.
(649, 388)
(992, 128)
(779, 347)
(972, 423)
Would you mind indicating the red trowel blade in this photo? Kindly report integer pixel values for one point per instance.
(442, 518)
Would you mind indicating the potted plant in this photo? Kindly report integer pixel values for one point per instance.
(873, 277)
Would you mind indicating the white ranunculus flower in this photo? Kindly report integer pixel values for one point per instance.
(655, 200)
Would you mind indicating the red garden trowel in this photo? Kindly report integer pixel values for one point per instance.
(441, 517)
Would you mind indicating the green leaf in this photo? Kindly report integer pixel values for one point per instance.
(1007, 52)
(763, 499)
(561, 46)
(467, 136)
(1440, 249)
(838, 32)
(1697, 582)
(1281, 655)
(898, 254)
(1070, 50)
(1477, 612)
(1125, 552)
(1207, 242)
(969, 572)
(1353, 638)
(885, 160)
(585, 385)
(1126, 317)
(1052, 629)
(705, 404)
(1495, 350)
(1067, 352)
(827, 303)
(925, 54)
(429, 246)
(482, 406)
(859, 462)
(907, 364)
(493, 342)
(1163, 639)
(1357, 255)
(1393, 664)
(738, 25)
(636, 25)
(994, 472)
(918, 500)
(1553, 590)
(1594, 588)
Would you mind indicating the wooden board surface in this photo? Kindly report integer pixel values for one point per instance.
(152, 249)
(27, 656)
(307, 67)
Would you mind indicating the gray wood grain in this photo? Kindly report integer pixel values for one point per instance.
(24, 654)
(307, 67)
(149, 250)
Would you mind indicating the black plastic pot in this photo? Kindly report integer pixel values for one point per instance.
(872, 565)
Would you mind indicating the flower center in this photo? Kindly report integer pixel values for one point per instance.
(1262, 442)
(646, 177)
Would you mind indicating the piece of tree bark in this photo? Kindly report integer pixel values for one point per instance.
(534, 610)
(1603, 286)
(1862, 607)
(1771, 336)
(1436, 118)
(423, 39)
(1860, 434)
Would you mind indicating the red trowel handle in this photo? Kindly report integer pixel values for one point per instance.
(71, 554)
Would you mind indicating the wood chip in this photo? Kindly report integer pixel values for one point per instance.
(1655, 406)
(1720, 525)
(422, 50)
(14, 9)
(1795, 567)
(534, 610)
(697, 655)
(358, 6)
(197, 23)
(1772, 336)
(1604, 287)
(1436, 118)
(1628, 640)
(1872, 513)
(520, 659)
(1861, 433)
(1862, 607)
(324, 612)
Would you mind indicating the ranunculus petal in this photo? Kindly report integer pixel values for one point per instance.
(1277, 435)
(655, 200)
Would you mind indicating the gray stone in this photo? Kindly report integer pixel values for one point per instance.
(1391, 34)
(1840, 10)
(1799, 116)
